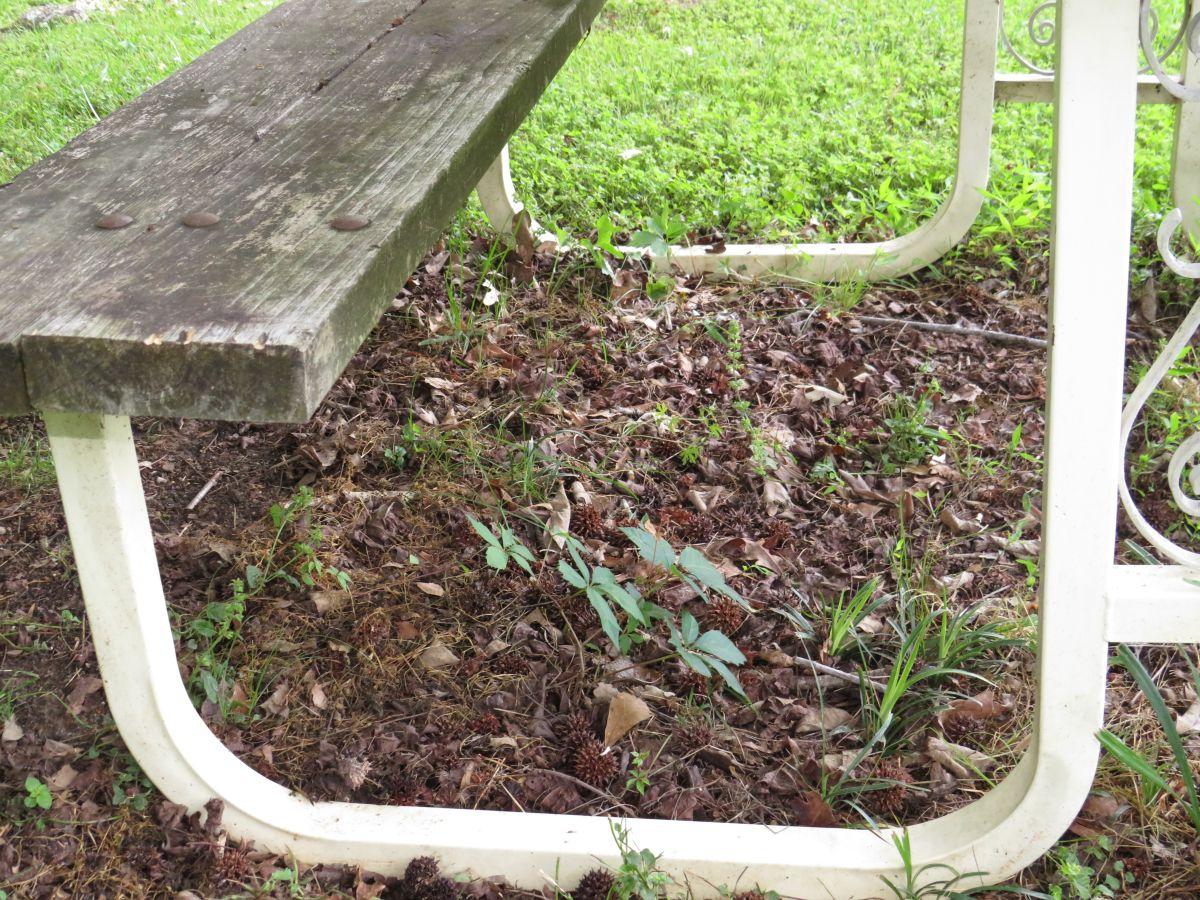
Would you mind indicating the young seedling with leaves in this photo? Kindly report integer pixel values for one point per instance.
(690, 566)
(217, 629)
(37, 794)
(638, 876)
(705, 653)
(600, 587)
(503, 547)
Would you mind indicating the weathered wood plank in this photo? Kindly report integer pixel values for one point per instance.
(185, 128)
(255, 318)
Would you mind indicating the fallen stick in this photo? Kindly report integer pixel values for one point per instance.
(997, 337)
(212, 483)
(583, 785)
(838, 673)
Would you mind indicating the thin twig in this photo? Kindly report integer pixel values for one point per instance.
(838, 673)
(579, 783)
(996, 337)
(212, 483)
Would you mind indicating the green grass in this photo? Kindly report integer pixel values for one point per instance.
(58, 81)
(761, 117)
(24, 459)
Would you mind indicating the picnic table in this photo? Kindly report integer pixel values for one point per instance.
(221, 247)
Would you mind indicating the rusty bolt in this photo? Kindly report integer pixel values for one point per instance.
(201, 220)
(114, 221)
(349, 223)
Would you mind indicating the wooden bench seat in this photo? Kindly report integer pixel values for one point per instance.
(384, 110)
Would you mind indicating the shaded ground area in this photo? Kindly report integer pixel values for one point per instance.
(869, 492)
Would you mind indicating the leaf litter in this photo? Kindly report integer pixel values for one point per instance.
(792, 449)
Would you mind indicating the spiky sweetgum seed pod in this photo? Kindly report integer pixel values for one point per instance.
(738, 520)
(400, 788)
(779, 533)
(956, 725)
(688, 681)
(552, 586)
(588, 521)
(725, 615)
(373, 631)
(421, 870)
(595, 885)
(652, 495)
(575, 730)
(695, 527)
(488, 723)
(439, 889)
(233, 867)
(890, 800)
(695, 732)
(579, 612)
(510, 664)
(593, 765)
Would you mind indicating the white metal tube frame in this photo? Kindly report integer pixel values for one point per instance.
(1086, 602)
(982, 87)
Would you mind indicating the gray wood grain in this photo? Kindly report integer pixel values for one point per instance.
(321, 109)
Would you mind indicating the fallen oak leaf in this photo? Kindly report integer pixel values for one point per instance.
(83, 689)
(328, 601)
(625, 286)
(12, 731)
(559, 524)
(959, 525)
(1189, 722)
(62, 779)
(839, 763)
(776, 498)
(319, 699)
(625, 713)
(438, 656)
(1097, 810)
(825, 718)
(277, 703)
(962, 762)
(813, 812)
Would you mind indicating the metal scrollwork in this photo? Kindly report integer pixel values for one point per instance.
(1041, 26)
(1183, 471)
(1188, 35)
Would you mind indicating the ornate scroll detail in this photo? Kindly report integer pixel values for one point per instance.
(1188, 35)
(1183, 471)
(1042, 28)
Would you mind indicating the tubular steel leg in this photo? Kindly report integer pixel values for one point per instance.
(499, 201)
(996, 836)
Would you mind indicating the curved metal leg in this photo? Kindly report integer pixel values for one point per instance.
(919, 248)
(845, 262)
(499, 201)
(1085, 602)
(114, 552)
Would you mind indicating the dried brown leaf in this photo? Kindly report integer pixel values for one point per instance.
(438, 656)
(963, 762)
(625, 713)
